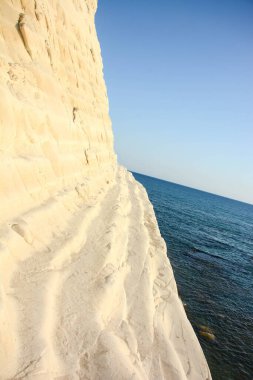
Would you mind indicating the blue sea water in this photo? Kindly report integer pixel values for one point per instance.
(210, 246)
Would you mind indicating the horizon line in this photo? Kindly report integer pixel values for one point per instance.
(193, 188)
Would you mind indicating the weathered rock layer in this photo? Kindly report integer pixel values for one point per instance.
(87, 291)
(55, 126)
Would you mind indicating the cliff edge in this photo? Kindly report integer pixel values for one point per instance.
(86, 288)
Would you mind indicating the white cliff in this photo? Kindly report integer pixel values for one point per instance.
(86, 289)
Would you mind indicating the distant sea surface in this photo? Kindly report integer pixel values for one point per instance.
(210, 247)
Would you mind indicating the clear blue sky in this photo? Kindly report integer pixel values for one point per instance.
(179, 75)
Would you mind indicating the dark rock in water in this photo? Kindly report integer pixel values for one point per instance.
(205, 328)
(206, 332)
(207, 335)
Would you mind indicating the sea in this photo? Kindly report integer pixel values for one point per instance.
(210, 246)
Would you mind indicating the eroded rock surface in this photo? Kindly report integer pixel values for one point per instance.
(87, 291)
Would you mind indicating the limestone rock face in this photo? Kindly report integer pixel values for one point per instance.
(86, 288)
(55, 126)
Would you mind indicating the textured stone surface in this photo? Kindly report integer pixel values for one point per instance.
(86, 288)
(55, 126)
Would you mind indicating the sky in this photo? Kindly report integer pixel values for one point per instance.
(179, 76)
